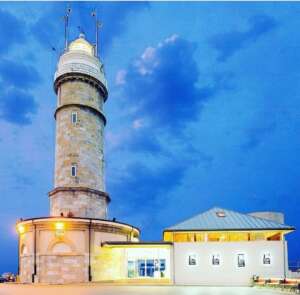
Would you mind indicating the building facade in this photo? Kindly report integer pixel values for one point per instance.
(78, 243)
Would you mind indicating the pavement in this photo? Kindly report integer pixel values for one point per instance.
(97, 289)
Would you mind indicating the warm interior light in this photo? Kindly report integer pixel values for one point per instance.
(59, 229)
(21, 229)
(59, 226)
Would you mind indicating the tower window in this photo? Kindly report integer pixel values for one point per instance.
(74, 170)
(74, 117)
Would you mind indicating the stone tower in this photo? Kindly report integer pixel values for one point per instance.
(81, 89)
(68, 246)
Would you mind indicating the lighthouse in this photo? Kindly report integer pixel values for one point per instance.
(81, 89)
(67, 246)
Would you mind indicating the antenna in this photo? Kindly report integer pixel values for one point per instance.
(66, 19)
(98, 25)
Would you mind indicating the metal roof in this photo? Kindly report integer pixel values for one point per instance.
(223, 219)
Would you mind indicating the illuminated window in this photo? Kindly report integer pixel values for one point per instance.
(131, 269)
(74, 170)
(241, 260)
(267, 259)
(74, 117)
(215, 260)
(192, 260)
(152, 268)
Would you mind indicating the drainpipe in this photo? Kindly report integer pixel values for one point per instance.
(90, 270)
(173, 264)
(19, 254)
(34, 255)
(284, 258)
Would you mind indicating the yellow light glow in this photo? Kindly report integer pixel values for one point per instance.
(225, 236)
(81, 44)
(21, 229)
(59, 226)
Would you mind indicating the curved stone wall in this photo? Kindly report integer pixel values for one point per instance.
(79, 144)
(63, 254)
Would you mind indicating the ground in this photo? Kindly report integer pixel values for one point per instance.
(96, 289)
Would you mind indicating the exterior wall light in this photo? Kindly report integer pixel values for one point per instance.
(20, 229)
(59, 228)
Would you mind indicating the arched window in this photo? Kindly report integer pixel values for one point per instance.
(61, 248)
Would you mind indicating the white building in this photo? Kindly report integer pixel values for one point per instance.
(217, 247)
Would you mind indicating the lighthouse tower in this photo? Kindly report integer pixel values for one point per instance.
(67, 246)
(81, 90)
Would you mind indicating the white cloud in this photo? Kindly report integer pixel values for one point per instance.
(171, 39)
(121, 77)
(148, 54)
(138, 123)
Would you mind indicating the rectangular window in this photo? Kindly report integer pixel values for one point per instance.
(215, 260)
(192, 260)
(74, 117)
(267, 259)
(150, 268)
(241, 260)
(74, 170)
(131, 269)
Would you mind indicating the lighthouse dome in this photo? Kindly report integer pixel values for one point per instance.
(81, 44)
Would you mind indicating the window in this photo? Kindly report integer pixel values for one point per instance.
(192, 260)
(151, 268)
(241, 260)
(267, 259)
(74, 117)
(131, 269)
(215, 260)
(74, 170)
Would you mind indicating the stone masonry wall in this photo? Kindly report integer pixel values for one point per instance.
(63, 269)
(80, 93)
(80, 144)
(26, 268)
(81, 204)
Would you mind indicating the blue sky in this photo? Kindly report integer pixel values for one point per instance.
(203, 110)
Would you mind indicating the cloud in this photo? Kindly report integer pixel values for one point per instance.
(17, 106)
(48, 29)
(16, 103)
(121, 77)
(18, 74)
(162, 83)
(12, 31)
(144, 186)
(227, 44)
(257, 135)
(163, 93)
